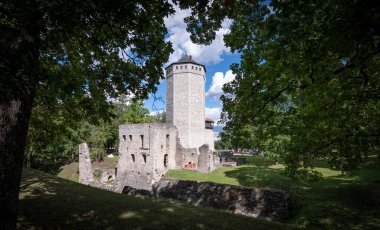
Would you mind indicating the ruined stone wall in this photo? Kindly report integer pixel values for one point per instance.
(186, 158)
(205, 159)
(217, 161)
(85, 168)
(201, 159)
(253, 202)
(147, 152)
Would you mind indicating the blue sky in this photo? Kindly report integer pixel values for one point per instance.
(216, 57)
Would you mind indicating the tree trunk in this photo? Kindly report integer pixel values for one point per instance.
(19, 74)
(14, 118)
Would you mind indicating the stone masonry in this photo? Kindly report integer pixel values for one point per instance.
(147, 152)
(259, 203)
(185, 102)
(86, 174)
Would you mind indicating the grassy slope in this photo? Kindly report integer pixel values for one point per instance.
(335, 202)
(48, 202)
(71, 171)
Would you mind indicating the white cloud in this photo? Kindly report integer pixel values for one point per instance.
(213, 113)
(182, 44)
(218, 80)
(156, 112)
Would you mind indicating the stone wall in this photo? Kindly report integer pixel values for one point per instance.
(201, 160)
(186, 157)
(147, 151)
(253, 202)
(205, 159)
(86, 173)
(209, 138)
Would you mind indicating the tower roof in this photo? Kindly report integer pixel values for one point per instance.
(186, 59)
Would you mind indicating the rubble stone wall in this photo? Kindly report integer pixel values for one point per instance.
(253, 202)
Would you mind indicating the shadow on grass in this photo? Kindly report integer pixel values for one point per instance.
(47, 202)
(261, 176)
(334, 202)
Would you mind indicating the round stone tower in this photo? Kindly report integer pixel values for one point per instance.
(185, 100)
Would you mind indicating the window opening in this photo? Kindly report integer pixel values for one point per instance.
(133, 157)
(166, 160)
(167, 141)
(144, 157)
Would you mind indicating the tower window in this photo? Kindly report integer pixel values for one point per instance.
(130, 137)
(142, 141)
(144, 157)
(192, 67)
(133, 157)
(196, 68)
(124, 138)
(181, 67)
(176, 67)
(185, 66)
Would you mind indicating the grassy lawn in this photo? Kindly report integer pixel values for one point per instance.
(71, 171)
(49, 202)
(335, 202)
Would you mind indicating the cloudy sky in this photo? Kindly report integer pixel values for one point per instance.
(216, 57)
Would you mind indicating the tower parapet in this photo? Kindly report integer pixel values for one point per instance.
(185, 65)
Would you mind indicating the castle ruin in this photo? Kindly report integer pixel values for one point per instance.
(186, 141)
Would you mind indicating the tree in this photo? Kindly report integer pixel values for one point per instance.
(136, 114)
(54, 134)
(89, 51)
(308, 83)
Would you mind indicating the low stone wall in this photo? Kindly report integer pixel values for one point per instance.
(258, 203)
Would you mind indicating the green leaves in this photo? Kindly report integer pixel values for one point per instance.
(305, 87)
(136, 113)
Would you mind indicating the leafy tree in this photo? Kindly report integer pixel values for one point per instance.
(308, 82)
(53, 135)
(161, 116)
(224, 142)
(136, 114)
(83, 51)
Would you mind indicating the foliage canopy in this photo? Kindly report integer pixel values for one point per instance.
(308, 84)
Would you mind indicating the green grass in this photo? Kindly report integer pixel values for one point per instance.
(71, 171)
(49, 202)
(334, 202)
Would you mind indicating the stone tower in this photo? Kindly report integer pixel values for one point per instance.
(185, 101)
